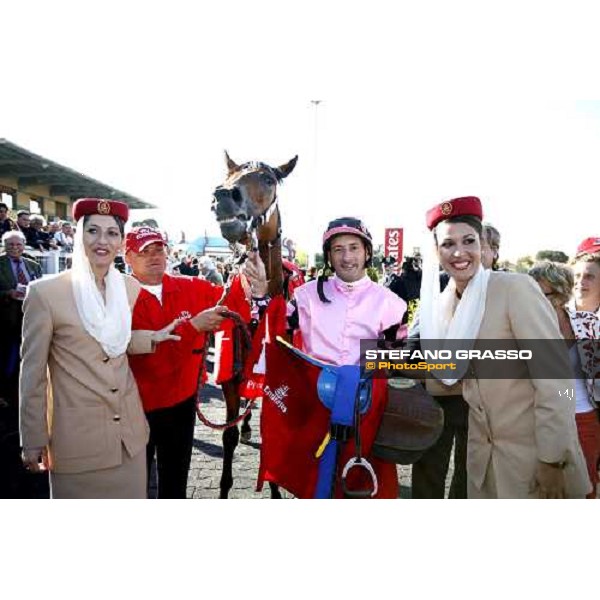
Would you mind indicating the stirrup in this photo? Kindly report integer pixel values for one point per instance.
(356, 461)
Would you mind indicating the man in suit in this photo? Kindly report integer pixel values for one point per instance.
(15, 274)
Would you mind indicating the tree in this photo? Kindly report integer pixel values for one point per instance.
(146, 223)
(373, 274)
(319, 260)
(553, 255)
(302, 259)
(524, 264)
(413, 307)
(506, 265)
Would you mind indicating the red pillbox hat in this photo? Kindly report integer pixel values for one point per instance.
(100, 206)
(467, 205)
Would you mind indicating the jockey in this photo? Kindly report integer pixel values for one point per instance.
(335, 313)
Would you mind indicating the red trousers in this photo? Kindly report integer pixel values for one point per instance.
(588, 429)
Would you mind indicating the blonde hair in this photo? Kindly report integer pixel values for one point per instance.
(558, 276)
(586, 257)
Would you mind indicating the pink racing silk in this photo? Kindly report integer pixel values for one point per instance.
(331, 332)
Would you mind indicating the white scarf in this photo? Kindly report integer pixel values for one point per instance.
(108, 323)
(442, 318)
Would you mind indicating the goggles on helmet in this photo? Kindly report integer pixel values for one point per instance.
(348, 226)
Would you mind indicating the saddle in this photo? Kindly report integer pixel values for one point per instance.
(346, 393)
(412, 422)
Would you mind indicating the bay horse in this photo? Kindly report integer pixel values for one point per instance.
(246, 209)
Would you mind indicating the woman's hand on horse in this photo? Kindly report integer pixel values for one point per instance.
(210, 319)
(254, 270)
(165, 334)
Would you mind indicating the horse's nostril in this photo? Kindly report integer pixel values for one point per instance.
(236, 195)
(220, 194)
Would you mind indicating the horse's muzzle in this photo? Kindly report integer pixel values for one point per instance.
(233, 230)
(227, 204)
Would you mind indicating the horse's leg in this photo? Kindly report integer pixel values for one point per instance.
(231, 437)
(246, 429)
(275, 493)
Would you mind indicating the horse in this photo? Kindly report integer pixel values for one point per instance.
(247, 211)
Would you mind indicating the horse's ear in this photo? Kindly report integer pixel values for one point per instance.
(231, 166)
(284, 170)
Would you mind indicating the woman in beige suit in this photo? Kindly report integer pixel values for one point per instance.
(88, 426)
(522, 435)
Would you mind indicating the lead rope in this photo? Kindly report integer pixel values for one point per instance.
(240, 329)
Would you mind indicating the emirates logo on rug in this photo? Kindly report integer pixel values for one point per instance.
(278, 396)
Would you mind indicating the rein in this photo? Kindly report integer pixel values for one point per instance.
(243, 333)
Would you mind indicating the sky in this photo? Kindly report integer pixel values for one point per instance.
(420, 102)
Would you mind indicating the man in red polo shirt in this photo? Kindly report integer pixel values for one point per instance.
(168, 378)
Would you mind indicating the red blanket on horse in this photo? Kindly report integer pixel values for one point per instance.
(294, 422)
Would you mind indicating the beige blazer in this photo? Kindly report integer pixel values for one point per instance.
(94, 407)
(513, 423)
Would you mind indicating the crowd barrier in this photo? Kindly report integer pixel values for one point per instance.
(51, 261)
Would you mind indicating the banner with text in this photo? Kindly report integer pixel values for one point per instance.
(393, 244)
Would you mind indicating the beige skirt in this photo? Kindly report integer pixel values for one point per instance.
(127, 480)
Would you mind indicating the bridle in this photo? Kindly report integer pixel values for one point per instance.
(241, 331)
(264, 217)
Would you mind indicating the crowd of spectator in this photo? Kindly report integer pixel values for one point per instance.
(39, 234)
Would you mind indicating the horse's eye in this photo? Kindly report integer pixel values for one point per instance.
(268, 179)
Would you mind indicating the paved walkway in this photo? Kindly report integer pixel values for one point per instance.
(207, 457)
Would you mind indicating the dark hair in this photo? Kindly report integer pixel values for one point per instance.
(474, 222)
(120, 263)
(492, 236)
(411, 264)
(23, 212)
(120, 223)
(2, 205)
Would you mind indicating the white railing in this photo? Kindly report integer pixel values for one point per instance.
(51, 261)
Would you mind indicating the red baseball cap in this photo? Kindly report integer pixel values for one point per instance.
(100, 206)
(590, 245)
(140, 237)
(466, 205)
